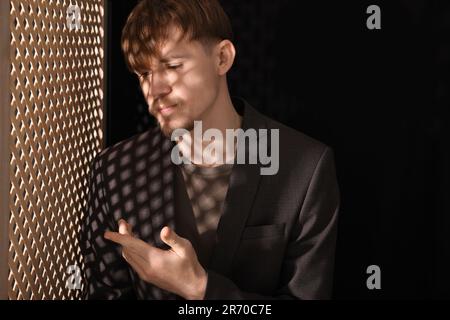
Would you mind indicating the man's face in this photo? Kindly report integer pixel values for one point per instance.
(181, 85)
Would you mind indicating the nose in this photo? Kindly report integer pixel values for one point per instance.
(159, 86)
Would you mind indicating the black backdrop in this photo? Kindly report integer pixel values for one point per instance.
(378, 97)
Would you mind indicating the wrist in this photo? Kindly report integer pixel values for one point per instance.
(199, 287)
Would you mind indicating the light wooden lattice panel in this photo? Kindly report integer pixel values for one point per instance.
(56, 80)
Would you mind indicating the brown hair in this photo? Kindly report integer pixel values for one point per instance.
(147, 26)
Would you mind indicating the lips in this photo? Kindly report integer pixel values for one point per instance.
(167, 109)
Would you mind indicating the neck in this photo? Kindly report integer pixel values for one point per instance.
(221, 116)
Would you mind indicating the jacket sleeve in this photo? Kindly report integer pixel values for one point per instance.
(106, 274)
(308, 265)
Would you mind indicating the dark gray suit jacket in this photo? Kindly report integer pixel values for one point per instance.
(276, 236)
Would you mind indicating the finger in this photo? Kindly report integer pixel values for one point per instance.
(177, 243)
(130, 229)
(122, 239)
(125, 228)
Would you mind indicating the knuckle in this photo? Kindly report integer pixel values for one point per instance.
(185, 252)
(187, 243)
(188, 248)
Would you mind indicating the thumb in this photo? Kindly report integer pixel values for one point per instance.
(177, 243)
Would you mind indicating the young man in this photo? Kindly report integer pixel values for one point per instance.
(208, 228)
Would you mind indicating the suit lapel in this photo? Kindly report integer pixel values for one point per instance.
(244, 182)
(185, 224)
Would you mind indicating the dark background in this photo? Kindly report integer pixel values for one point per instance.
(379, 98)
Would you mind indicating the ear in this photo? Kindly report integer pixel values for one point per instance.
(225, 53)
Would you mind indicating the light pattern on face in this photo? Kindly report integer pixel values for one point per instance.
(181, 85)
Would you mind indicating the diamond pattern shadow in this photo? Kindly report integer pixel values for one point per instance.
(137, 177)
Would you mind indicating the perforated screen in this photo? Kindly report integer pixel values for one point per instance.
(56, 85)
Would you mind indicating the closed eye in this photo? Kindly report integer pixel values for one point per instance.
(173, 66)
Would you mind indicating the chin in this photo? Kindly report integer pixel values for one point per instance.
(167, 127)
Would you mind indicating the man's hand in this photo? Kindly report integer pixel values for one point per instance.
(176, 270)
